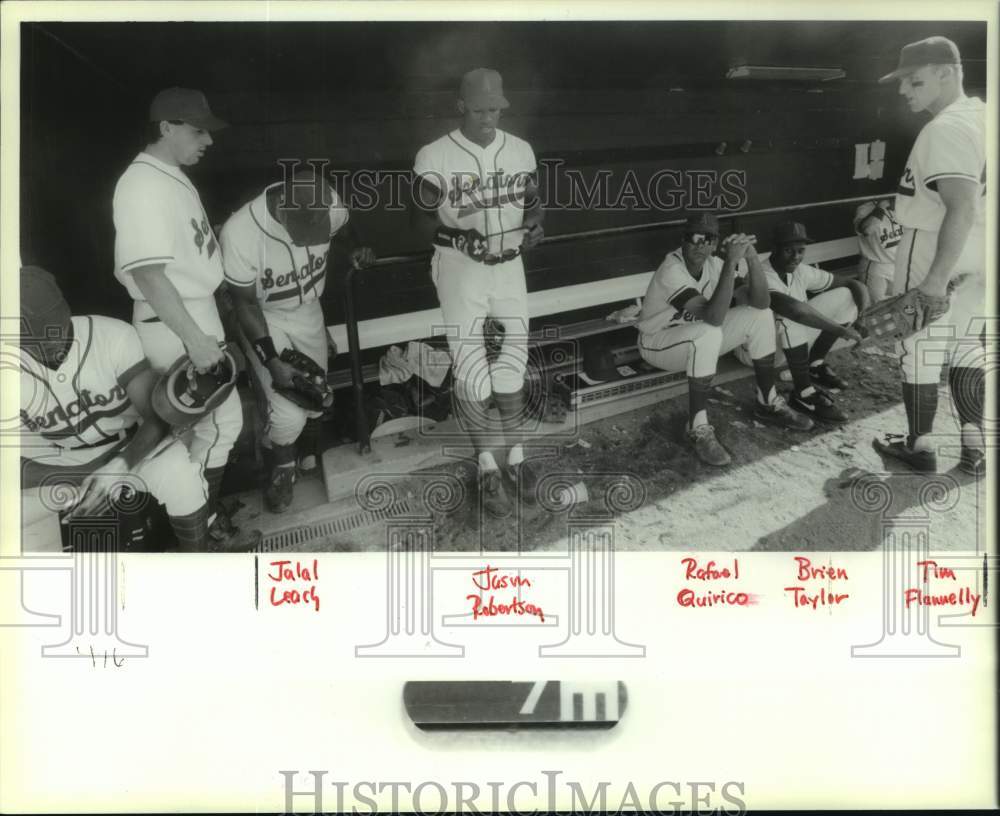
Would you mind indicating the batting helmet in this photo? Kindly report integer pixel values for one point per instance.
(182, 396)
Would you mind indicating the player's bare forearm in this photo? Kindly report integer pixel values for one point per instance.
(153, 429)
(800, 312)
(954, 233)
(759, 294)
(248, 312)
(718, 304)
(424, 209)
(161, 294)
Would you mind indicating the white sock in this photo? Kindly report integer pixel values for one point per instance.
(487, 462)
(815, 363)
(701, 418)
(516, 455)
(922, 443)
(807, 392)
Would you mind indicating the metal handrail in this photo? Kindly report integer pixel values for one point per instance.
(353, 342)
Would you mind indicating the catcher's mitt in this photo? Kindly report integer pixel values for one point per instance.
(312, 391)
(900, 316)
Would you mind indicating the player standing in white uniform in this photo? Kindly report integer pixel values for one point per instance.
(167, 257)
(940, 203)
(275, 251)
(86, 418)
(478, 185)
(878, 236)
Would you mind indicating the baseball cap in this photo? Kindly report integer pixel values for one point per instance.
(931, 51)
(184, 104)
(702, 222)
(789, 232)
(43, 306)
(483, 88)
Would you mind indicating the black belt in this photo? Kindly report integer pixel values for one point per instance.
(473, 244)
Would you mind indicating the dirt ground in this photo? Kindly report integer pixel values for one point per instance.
(634, 473)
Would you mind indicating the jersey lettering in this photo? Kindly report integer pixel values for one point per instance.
(907, 184)
(201, 232)
(268, 281)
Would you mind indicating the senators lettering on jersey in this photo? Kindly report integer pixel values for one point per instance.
(258, 250)
(491, 181)
(84, 401)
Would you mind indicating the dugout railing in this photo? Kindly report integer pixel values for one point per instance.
(544, 303)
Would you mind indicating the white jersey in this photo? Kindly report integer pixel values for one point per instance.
(495, 176)
(881, 233)
(804, 282)
(159, 219)
(672, 286)
(951, 145)
(84, 401)
(257, 249)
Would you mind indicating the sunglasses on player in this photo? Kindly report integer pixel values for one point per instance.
(699, 239)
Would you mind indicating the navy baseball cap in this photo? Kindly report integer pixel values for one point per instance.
(931, 51)
(790, 232)
(483, 88)
(185, 105)
(702, 222)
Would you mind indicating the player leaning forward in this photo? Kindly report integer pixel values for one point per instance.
(693, 312)
(275, 250)
(478, 184)
(87, 419)
(167, 257)
(940, 202)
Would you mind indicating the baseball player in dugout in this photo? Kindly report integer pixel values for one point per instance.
(478, 186)
(168, 258)
(693, 312)
(275, 251)
(878, 237)
(87, 418)
(940, 203)
(812, 310)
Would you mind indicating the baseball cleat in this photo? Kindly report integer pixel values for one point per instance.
(280, 490)
(707, 446)
(898, 446)
(778, 413)
(494, 497)
(523, 481)
(973, 462)
(818, 405)
(822, 374)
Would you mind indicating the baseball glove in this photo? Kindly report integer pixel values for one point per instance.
(312, 391)
(900, 316)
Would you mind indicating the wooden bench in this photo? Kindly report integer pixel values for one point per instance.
(612, 293)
